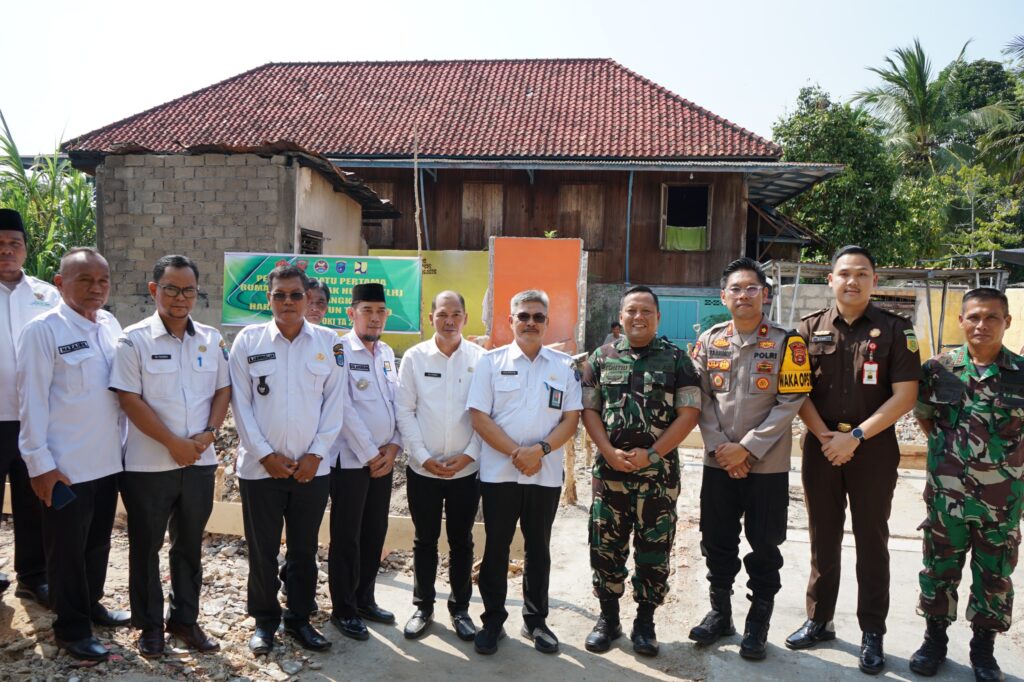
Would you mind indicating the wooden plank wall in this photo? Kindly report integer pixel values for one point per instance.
(530, 209)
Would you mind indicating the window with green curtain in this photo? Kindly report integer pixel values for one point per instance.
(684, 225)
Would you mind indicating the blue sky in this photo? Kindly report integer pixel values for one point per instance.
(70, 67)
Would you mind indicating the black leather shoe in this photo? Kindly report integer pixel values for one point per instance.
(809, 634)
(872, 657)
(464, 626)
(983, 660)
(351, 627)
(932, 652)
(543, 639)
(376, 614)
(88, 649)
(418, 624)
(40, 593)
(307, 636)
(718, 621)
(645, 642)
(486, 640)
(604, 633)
(755, 632)
(151, 643)
(262, 641)
(110, 619)
(193, 637)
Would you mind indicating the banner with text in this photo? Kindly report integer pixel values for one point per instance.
(245, 286)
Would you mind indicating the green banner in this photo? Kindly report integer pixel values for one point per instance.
(245, 286)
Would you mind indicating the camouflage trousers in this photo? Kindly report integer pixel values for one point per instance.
(642, 509)
(992, 537)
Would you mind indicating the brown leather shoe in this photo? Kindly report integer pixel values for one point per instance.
(151, 643)
(193, 636)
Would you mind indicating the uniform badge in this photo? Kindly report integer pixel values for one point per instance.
(339, 355)
(263, 388)
(387, 366)
(723, 365)
(720, 343)
(717, 380)
(822, 336)
(202, 349)
(126, 341)
(799, 350)
(469, 369)
(765, 367)
(874, 333)
(795, 372)
(39, 296)
(762, 383)
(766, 344)
(762, 330)
(696, 350)
(362, 384)
(224, 349)
(911, 340)
(554, 398)
(320, 356)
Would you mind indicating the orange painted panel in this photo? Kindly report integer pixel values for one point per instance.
(552, 265)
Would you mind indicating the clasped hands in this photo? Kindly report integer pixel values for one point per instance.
(627, 461)
(448, 468)
(280, 466)
(734, 458)
(187, 451)
(527, 459)
(838, 446)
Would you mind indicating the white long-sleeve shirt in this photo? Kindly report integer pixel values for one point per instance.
(371, 421)
(29, 298)
(431, 401)
(526, 399)
(70, 420)
(299, 408)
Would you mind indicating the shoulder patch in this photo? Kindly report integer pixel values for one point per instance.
(126, 341)
(795, 372)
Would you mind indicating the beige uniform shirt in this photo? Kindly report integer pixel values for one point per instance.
(751, 391)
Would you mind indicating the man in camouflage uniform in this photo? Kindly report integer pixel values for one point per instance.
(754, 378)
(971, 405)
(641, 397)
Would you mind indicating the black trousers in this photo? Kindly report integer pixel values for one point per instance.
(458, 498)
(77, 540)
(270, 505)
(533, 507)
(762, 502)
(29, 555)
(180, 500)
(360, 506)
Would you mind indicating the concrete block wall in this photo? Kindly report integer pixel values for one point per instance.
(813, 297)
(151, 205)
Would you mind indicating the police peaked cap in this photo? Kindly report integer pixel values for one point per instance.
(370, 291)
(11, 220)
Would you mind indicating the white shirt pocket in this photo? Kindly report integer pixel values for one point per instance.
(260, 373)
(74, 371)
(507, 390)
(159, 376)
(362, 385)
(319, 370)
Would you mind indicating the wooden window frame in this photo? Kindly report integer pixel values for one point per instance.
(664, 215)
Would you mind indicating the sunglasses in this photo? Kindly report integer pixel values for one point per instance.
(538, 318)
(293, 296)
(173, 291)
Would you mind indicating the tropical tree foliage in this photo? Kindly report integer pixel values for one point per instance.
(55, 200)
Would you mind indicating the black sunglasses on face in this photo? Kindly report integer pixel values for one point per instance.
(283, 296)
(538, 318)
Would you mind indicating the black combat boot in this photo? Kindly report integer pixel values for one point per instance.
(755, 632)
(645, 641)
(607, 629)
(984, 663)
(718, 621)
(930, 656)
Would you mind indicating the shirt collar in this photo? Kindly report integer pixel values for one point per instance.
(157, 328)
(433, 349)
(78, 320)
(307, 329)
(872, 313)
(356, 342)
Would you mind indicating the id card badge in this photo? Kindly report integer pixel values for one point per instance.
(871, 373)
(554, 398)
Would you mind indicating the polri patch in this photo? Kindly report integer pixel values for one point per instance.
(261, 357)
(72, 347)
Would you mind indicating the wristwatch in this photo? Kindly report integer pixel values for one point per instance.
(211, 429)
(652, 456)
(858, 433)
(545, 448)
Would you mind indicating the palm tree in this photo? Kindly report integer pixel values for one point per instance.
(1003, 145)
(914, 107)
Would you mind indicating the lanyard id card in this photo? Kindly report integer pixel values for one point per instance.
(554, 398)
(870, 373)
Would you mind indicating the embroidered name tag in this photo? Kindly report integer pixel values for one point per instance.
(72, 347)
(821, 338)
(261, 357)
(436, 375)
(359, 368)
(509, 372)
(162, 356)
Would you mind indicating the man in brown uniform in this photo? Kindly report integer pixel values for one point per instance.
(754, 377)
(865, 368)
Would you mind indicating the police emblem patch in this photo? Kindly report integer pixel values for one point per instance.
(912, 345)
(766, 344)
(762, 383)
(717, 380)
(720, 343)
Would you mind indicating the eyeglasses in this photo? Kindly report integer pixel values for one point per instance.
(752, 290)
(293, 296)
(538, 318)
(174, 292)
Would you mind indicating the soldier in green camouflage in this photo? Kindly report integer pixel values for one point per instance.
(971, 405)
(641, 397)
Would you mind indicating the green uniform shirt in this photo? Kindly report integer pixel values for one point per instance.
(976, 447)
(637, 391)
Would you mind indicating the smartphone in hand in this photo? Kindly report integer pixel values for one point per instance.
(61, 496)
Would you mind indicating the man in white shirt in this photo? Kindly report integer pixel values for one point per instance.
(288, 394)
(525, 402)
(436, 428)
(72, 437)
(171, 375)
(21, 298)
(363, 461)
